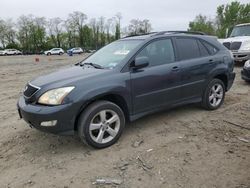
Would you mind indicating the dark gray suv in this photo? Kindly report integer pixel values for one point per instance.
(126, 80)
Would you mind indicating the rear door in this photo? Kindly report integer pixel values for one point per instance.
(195, 62)
(158, 84)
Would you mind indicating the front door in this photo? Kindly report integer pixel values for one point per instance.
(158, 84)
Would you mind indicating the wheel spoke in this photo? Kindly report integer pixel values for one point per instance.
(113, 119)
(95, 126)
(103, 115)
(100, 136)
(214, 101)
(211, 97)
(218, 89)
(213, 89)
(220, 96)
(111, 132)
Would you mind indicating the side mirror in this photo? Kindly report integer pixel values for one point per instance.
(141, 62)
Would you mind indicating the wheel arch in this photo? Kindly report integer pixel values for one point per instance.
(224, 78)
(111, 97)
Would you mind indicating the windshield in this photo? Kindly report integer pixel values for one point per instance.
(241, 31)
(111, 55)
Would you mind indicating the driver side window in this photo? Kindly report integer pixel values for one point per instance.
(159, 52)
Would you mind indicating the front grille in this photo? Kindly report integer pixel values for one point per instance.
(30, 90)
(227, 45)
(232, 46)
(235, 45)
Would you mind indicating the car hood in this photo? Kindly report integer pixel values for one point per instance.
(67, 76)
(236, 39)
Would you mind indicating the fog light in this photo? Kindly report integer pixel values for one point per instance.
(49, 123)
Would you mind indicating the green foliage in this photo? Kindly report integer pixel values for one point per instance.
(202, 24)
(12, 45)
(230, 15)
(117, 32)
(227, 17)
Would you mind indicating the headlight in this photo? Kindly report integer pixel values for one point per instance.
(55, 96)
(247, 64)
(246, 46)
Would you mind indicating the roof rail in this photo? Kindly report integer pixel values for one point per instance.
(184, 32)
(140, 34)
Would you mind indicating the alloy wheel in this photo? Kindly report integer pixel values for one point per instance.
(216, 95)
(104, 126)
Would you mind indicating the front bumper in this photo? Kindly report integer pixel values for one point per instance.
(34, 115)
(241, 56)
(245, 74)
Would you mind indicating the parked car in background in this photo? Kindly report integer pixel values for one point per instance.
(239, 42)
(245, 73)
(126, 80)
(10, 52)
(54, 51)
(75, 51)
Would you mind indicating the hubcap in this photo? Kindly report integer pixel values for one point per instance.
(104, 126)
(216, 95)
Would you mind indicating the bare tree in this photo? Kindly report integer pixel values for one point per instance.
(137, 26)
(108, 26)
(77, 21)
(32, 33)
(2, 33)
(55, 26)
(118, 18)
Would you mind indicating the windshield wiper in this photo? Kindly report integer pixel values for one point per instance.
(97, 66)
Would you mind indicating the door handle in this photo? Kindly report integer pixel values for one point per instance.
(175, 68)
(211, 60)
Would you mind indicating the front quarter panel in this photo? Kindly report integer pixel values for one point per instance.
(87, 91)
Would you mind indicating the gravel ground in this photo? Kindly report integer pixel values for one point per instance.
(182, 147)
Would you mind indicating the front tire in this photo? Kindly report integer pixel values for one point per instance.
(214, 95)
(101, 124)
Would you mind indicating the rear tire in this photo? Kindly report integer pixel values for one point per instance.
(60, 53)
(101, 124)
(214, 95)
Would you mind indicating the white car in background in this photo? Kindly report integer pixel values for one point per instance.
(10, 52)
(76, 50)
(54, 51)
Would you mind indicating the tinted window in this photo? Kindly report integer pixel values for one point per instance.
(159, 52)
(203, 50)
(211, 49)
(187, 48)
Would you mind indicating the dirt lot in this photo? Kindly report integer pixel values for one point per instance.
(183, 147)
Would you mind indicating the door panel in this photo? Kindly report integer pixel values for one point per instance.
(193, 76)
(154, 87)
(159, 83)
(195, 62)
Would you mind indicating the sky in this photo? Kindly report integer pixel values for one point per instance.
(163, 14)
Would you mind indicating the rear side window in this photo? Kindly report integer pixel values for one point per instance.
(211, 49)
(188, 48)
(159, 52)
(203, 50)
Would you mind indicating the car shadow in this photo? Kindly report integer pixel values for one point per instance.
(38, 143)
